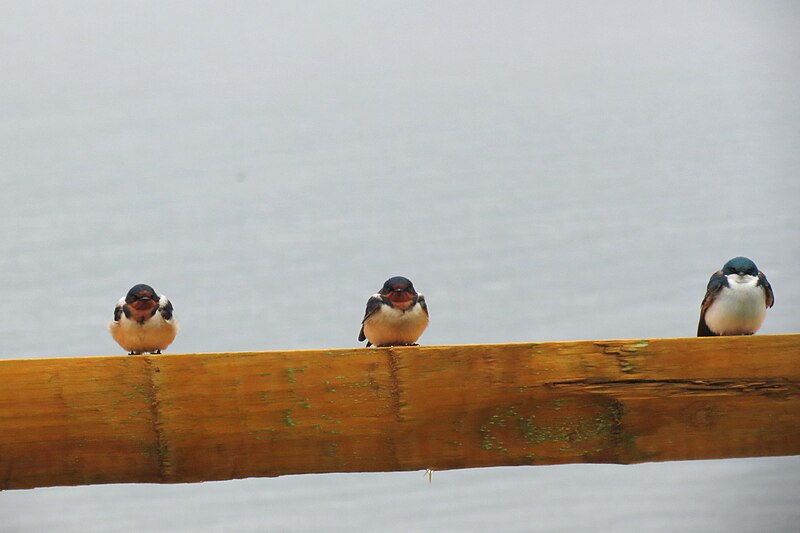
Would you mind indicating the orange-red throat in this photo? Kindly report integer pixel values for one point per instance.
(142, 302)
(401, 299)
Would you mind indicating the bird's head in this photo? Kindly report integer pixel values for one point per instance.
(400, 291)
(142, 297)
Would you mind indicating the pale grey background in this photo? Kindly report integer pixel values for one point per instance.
(541, 170)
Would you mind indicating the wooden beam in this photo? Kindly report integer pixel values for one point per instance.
(196, 417)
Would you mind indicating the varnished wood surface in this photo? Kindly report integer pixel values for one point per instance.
(194, 417)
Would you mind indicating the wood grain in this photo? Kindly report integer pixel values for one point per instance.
(196, 417)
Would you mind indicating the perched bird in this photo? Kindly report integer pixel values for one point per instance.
(736, 300)
(395, 316)
(143, 321)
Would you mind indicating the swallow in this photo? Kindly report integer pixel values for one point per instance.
(736, 301)
(143, 321)
(395, 316)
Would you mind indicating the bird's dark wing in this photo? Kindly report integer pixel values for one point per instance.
(166, 310)
(421, 301)
(715, 284)
(762, 282)
(702, 328)
(373, 304)
(117, 312)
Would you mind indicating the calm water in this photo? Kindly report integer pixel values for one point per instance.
(541, 170)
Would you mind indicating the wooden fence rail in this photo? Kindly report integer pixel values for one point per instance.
(196, 417)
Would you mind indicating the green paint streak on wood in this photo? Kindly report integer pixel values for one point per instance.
(489, 441)
(290, 372)
(567, 431)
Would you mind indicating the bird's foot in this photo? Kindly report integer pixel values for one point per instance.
(395, 344)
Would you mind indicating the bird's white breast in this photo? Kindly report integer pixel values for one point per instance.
(738, 309)
(392, 326)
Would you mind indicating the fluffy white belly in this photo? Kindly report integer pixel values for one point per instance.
(738, 309)
(391, 326)
(155, 334)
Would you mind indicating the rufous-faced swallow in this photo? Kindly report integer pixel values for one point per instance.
(395, 316)
(736, 301)
(143, 321)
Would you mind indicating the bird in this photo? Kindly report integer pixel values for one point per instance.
(395, 316)
(143, 321)
(736, 300)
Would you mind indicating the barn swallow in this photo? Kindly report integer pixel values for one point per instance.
(143, 321)
(395, 316)
(736, 301)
